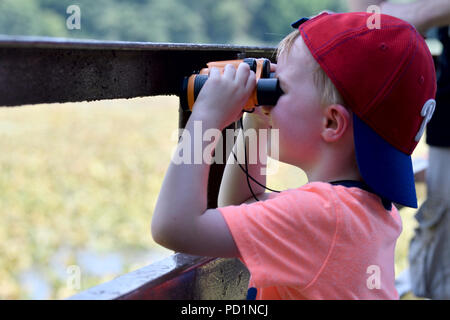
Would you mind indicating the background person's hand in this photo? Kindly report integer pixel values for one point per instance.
(406, 13)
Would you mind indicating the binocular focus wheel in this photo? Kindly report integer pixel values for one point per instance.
(251, 62)
(265, 73)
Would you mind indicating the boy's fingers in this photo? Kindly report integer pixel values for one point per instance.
(214, 72)
(229, 71)
(273, 67)
(243, 72)
(251, 81)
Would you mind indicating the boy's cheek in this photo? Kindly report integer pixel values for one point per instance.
(298, 139)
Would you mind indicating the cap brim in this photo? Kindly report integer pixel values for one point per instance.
(386, 170)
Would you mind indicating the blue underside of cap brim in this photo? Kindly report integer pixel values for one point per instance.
(386, 170)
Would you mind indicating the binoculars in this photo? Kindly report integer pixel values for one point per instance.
(266, 93)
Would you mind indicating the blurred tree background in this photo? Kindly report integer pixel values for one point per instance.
(197, 21)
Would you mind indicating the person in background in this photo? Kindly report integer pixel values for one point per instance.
(429, 253)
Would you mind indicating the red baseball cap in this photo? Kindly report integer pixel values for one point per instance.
(386, 76)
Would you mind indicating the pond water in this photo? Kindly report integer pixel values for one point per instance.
(38, 282)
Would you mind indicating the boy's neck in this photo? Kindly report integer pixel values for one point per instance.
(352, 177)
(328, 171)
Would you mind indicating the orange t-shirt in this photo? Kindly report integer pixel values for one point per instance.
(319, 241)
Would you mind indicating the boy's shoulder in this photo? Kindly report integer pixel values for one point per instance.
(312, 187)
(316, 187)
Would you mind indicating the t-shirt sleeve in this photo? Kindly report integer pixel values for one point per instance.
(285, 240)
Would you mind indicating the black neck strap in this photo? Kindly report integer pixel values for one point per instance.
(387, 204)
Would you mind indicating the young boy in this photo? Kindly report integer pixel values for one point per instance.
(355, 103)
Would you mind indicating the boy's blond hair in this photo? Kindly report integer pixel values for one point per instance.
(330, 95)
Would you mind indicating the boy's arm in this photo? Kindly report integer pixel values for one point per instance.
(180, 220)
(234, 189)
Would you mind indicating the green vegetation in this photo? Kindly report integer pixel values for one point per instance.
(76, 178)
(198, 21)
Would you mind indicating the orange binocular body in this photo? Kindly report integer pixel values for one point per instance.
(267, 90)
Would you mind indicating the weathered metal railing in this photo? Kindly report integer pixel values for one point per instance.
(178, 277)
(43, 70)
(48, 70)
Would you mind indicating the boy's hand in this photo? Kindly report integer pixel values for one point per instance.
(223, 97)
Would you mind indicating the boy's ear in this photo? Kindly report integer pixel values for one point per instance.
(336, 122)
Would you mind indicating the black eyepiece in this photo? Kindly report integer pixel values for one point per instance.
(198, 84)
(268, 91)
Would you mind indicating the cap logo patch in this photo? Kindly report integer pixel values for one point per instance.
(427, 113)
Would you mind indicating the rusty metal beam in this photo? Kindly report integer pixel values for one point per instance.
(46, 70)
(178, 277)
